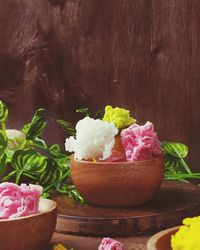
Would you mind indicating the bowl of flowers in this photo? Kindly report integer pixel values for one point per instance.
(26, 220)
(185, 237)
(116, 162)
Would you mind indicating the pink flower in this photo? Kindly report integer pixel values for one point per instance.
(117, 156)
(17, 201)
(110, 244)
(140, 142)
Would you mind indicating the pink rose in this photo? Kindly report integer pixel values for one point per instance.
(140, 142)
(110, 244)
(17, 201)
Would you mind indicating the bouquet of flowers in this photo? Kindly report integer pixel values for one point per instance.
(97, 139)
(117, 137)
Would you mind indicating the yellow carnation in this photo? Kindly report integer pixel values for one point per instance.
(187, 237)
(119, 116)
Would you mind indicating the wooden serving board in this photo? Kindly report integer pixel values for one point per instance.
(175, 201)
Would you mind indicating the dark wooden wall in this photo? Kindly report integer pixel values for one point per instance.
(140, 54)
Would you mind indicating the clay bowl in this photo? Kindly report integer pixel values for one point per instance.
(117, 184)
(30, 232)
(161, 240)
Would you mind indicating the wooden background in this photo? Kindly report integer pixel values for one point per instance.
(140, 54)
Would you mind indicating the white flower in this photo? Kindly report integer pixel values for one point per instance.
(94, 139)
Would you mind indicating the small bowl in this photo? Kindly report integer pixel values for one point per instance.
(117, 184)
(162, 240)
(30, 232)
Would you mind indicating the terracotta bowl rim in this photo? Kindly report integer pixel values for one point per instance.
(161, 156)
(40, 213)
(154, 238)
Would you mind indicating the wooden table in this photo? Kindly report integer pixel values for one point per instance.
(175, 201)
(91, 243)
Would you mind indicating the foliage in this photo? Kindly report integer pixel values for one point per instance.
(28, 156)
(175, 166)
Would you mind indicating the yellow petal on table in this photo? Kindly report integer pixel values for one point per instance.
(60, 247)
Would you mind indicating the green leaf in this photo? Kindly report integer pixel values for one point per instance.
(9, 176)
(175, 149)
(51, 173)
(85, 111)
(182, 176)
(172, 164)
(3, 112)
(45, 195)
(174, 168)
(61, 159)
(55, 149)
(3, 165)
(29, 161)
(37, 142)
(98, 115)
(67, 127)
(26, 128)
(37, 125)
(3, 142)
(71, 191)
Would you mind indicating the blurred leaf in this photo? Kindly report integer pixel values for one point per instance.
(172, 165)
(67, 127)
(176, 149)
(85, 111)
(45, 195)
(3, 112)
(40, 143)
(3, 165)
(26, 127)
(3, 142)
(9, 176)
(37, 125)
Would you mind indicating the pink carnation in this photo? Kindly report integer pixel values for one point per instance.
(140, 142)
(17, 201)
(116, 156)
(110, 244)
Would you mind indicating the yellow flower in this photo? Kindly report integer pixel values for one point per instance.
(187, 237)
(60, 247)
(119, 116)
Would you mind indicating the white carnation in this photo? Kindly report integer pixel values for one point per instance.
(94, 139)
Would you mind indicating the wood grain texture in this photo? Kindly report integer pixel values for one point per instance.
(143, 55)
(92, 243)
(174, 202)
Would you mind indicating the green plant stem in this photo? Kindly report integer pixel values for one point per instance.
(182, 176)
(183, 163)
(18, 177)
(3, 125)
(30, 176)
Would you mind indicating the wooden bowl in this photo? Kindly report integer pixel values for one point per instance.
(30, 232)
(161, 240)
(117, 184)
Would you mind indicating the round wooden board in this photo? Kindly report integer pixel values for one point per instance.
(175, 201)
